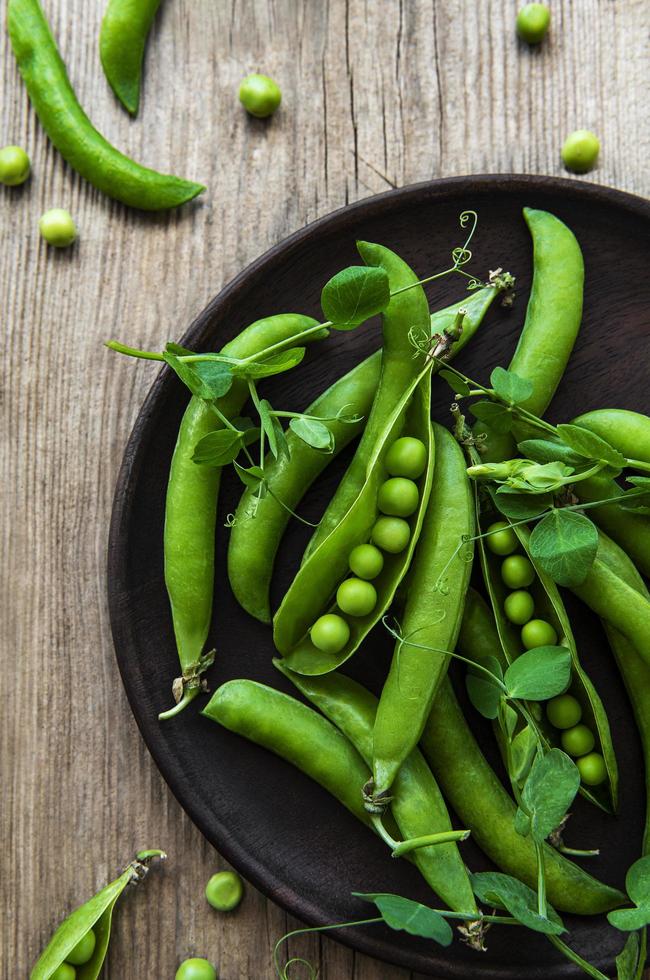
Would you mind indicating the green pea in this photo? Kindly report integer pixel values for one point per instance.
(517, 572)
(580, 151)
(57, 227)
(592, 769)
(538, 633)
(366, 561)
(83, 951)
(578, 740)
(532, 22)
(196, 969)
(260, 95)
(519, 606)
(330, 633)
(564, 711)
(391, 534)
(14, 166)
(407, 457)
(224, 891)
(398, 497)
(501, 539)
(356, 597)
(64, 972)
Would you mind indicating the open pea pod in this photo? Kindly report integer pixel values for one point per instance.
(96, 914)
(550, 606)
(312, 592)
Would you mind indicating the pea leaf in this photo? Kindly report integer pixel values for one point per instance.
(409, 916)
(495, 888)
(217, 376)
(251, 476)
(484, 694)
(315, 434)
(498, 417)
(637, 497)
(548, 451)
(355, 294)
(565, 545)
(276, 364)
(508, 719)
(457, 385)
(627, 961)
(510, 386)
(640, 481)
(548, 792)
(521, 506)
(539, 477)
(218, 448)
(189, 377)
(589, 445)
(539, 674)
(274, 431)
(637, 884)
(178, 349)
(522, 753)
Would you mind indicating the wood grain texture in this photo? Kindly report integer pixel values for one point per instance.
(376, 94)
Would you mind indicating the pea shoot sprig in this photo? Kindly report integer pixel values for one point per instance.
(348, 299)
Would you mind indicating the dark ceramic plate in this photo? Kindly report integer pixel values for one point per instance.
(283, 832)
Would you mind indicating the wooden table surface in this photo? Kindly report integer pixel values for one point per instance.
(376, 95)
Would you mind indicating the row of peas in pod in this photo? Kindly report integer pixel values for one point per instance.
(563, 712)
(397, 499)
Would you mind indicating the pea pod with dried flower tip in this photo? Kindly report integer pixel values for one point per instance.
(260, 524)
(417, 804)
(122, 38)
(437, 584)
(70, 129)
(191, 506)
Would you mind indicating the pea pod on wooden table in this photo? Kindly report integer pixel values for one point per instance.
(122, 38)
(552, 322)
(70, 129)
(437, 584)
(191, 507)
(260, 524)
(70, 943)
(417, 804)
(480, 801)
(550, 611)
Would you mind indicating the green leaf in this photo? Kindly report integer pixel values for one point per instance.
(548, 451)
(484, 694)
(637, 884)
(495, 888)
(520, 506)
(251, 476)
(589, 445)
(549, 791)
(497, 417)
(508, 719)
(539, 674)
(522, 751)
(276, 364)
(178, 349)
(355, 294)
(274, 431)
(457, 385)
(315, 434)
(637, 497)
(218, 448)
(627, 961)
(640, 481)
(565, 545)
(408, 916)
(510, 386)
(540, 477)
(189, 377)
(217, 376)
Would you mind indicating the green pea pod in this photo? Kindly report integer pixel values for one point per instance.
(617, 602)
(631, 531)
(311, 593)
(296, 733)
(552, 320)
(437, 584)
(70, 129)
(550, 606)
(191, 507)
(629, 432)
(97, 915)
(633, 669)
(260, 524)
(417, 804)
(122, 38)
(407, 311)
(478, 798)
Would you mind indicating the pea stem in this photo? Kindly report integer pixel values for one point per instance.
(188, 696)
(541, 880)
(571, 954)
(638, 464)
(414, 843)
(576, 852)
